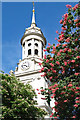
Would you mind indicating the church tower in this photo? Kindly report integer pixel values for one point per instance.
(33, 42)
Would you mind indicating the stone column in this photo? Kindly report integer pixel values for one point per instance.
(26, 49)
(22, 52)
(40, 49)
(32, 48)
(43, 51)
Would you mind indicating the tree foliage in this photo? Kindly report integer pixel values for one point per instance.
(61, 66)
(18, 99)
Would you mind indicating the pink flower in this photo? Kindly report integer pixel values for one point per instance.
(55, 110)
(54, 71)
(69, 21)
(51, 59)
(77, 88)
(54, 47)
(61, 21)
(72, 61)
(72, 95)
(50, 115)
(51, 64)
(76, 20)
(56, 39)
(64, 23)
(68, 6)
(77, 97)
(63, 72)
(57, 31)
(78, 57)
(57, 88)
(64, 87)
(44, 56)
(66, 15)
(62, 93)
(44, 50)
(64, 45)
(77, 101)
(62, 35)
(61, 50)
(47, 61)
(75, 105)
(42, 90)
(69, 61)
(74, 117)
(42, 69)
(48, 70)
(77, 92)
(55, 117)
(67, 40)
(65, 49)
(51, 68)
(57, 62)
(53, 90)
(75, 7)
(58, 45)
(65, 63)
(58, 54)
(65, 100)
(55, 85)
(51, 77)
(62, 32)
(52, 96)
(49, 44)
(70, 85)
(37, 89)
(69, 50)
(76, 39)
(63, 28)
(61, 39)
(43, 98)
(40, 63)
(76, 48)
(42, 75)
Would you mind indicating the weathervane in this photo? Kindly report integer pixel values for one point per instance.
(33, 3)
(33, 7)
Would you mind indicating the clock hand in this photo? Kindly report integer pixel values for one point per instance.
(23, 65)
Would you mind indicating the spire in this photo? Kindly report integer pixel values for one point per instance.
(33, 24)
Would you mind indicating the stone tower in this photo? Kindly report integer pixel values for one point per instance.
(33, 42)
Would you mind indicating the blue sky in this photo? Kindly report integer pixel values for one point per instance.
(16, 17)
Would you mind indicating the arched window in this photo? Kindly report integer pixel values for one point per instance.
(36, 52)
(36, 44)
(24, 44)
(29, 52)
(29, 44)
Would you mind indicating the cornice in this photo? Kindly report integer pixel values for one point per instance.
(27, 73)
(33, 33)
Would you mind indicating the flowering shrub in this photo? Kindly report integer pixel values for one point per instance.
(62, 67)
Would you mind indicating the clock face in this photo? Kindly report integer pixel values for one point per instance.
(25, 65)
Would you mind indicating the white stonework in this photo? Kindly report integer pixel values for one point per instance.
(33, 42)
